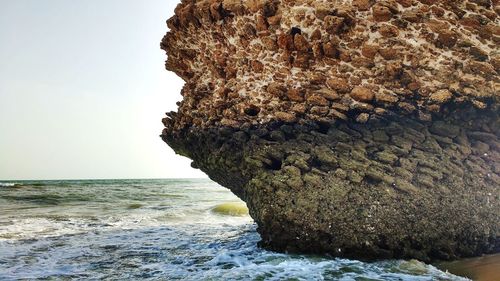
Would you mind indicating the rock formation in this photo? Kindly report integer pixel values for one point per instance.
(357, 128)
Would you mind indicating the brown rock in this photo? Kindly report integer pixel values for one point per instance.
(348, 13)
(257, 66)
(270, 43)
(389, 53)
(384, 97)
(316, 79)
(285, 41)
(345, 55)
(471, 21)
(380, 111)
(316, 99)
(301, 43)
(330, 51)
(447, 38)
(479, 104)
(362, 5)
(338, 115)
(361, 106)
(319, 110)
(285, 117)
(302, 60)
(340, 107)
(274, 20)
(323, 10)
(362, 62)
(316, 35)
(362, 94)
(299, 108)
(295, 95)
(381, 13)
(229, 122)
(317, 49)
(439, 12)
(276, 89)
(328, 94)
(248, 31)
(363, 118)
(413, 86)
(333, 24)
(495, 62)
(261, 24)
(441, 96)
(369, 51)
(202, 12)
(437, 25)
(407, 107)
(339, 84)
(483, 68)
(255, 5)
(405, 3)
(412, 16)
(388, 30)
(394, 69)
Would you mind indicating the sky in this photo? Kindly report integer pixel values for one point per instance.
(83, 89)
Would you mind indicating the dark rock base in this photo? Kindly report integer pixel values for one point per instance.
(391, 188)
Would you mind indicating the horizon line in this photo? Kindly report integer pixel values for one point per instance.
(102, 179)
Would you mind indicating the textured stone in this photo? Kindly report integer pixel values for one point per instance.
(286, 117)
(326, 117)
(339, 84)
(381, 13)
(362, 94)
(441, 96)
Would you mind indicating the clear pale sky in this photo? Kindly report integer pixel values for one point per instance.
(83, 90)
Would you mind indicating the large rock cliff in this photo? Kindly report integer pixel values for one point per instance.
(357, 128)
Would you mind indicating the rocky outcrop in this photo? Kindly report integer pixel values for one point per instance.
(365, 129)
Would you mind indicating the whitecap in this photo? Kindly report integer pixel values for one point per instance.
(8, 184)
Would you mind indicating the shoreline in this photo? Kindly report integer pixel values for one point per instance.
(485, 268)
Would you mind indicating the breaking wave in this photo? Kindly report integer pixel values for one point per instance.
(156, 230)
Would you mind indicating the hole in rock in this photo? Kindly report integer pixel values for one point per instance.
(316, 163)
(252, 110)
(275, 164)
(295, 30)
(323, 127)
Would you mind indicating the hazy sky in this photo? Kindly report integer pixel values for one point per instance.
(83, 90)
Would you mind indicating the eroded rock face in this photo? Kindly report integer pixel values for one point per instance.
(365, 129)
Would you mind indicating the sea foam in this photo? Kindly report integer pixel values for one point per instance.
(8, 184)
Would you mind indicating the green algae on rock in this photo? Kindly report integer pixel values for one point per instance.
(236, 209)
(353, 128)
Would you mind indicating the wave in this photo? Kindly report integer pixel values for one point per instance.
(10, 184)
(38, 184)
(25, 184)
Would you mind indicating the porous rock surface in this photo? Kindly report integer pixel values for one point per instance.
(357, 128)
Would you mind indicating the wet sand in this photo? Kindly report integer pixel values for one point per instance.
(485, 268)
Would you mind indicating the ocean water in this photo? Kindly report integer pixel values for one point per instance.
(155, 230)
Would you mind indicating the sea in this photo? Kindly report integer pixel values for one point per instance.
(159, 229)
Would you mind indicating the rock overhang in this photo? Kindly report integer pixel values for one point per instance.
(348, 125)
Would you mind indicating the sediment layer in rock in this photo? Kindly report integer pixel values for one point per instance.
(365, 129)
